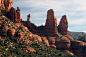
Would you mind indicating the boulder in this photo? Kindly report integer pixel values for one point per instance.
(69, 37)
(4, 27)
(63, 26)
(45, 40)
(53, 46)
(78, 48)
(38, 37)
(20, 36)
(52, 40)
(30, 49)
(25, 28)
(11, 32)
(64, 43)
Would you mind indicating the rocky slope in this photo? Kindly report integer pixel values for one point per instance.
(17, 41)
(18, 32)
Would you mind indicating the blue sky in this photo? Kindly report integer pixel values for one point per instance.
(74, 9)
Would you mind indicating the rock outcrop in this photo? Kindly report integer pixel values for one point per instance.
(78, 47)
(30, 25)
(7, 4)
(64, 43)
(51, 23)
(30, 49)
(63, 26)
(11, 32)
(18, 15)
(14, 15)
(28, 18)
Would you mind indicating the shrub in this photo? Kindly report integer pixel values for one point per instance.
(60, 55)
(6, 20)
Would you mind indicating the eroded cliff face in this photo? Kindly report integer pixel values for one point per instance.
(7, 4)
(63, 26)
(51, 23)
(14, 15)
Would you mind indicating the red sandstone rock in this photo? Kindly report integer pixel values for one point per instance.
(20, 36)
(25, 28)
(51, 23)
(63, 26)
(64, 43)
(30, 49)
(67, 51)
(78, 48)
(38, 37)
(69, 37)
(11, 32)
(30, 25)
(7, 4)
(30, 35)
(52, 40)
(53, 46)
(14, 15)
(27, 41)
(5, 27)
(18, 15)
(28, 18)
(45, 41)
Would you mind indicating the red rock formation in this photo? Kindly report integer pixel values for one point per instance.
(69, 37)
(45, 40)
(64, 43)
(5, 27)
(14, 15)
(67, 51)
(28, 18)
(30, 49)
(11, 32)
(51, 23)
(20, 36)
(78, 48)
(30, 25)
(7, 4)
(63, 26)
(18, 15)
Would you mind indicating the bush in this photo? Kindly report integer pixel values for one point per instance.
(6, 20)
(60, 55)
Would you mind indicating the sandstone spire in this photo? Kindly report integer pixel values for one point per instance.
(18, 15)
(51, 22)
(28, 18)
(63, 26)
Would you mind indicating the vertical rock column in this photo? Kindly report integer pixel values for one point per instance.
(51, 23)
(18, 15)
(63, 26)
(14, 15)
